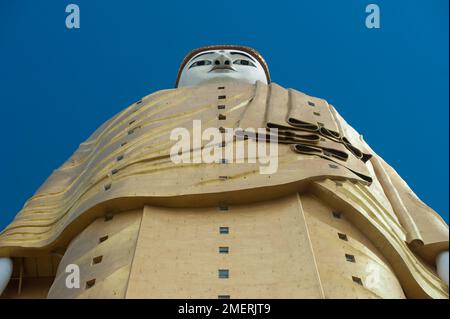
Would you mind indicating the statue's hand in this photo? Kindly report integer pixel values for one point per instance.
(442, 266)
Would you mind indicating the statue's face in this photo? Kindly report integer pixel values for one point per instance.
(222, 64)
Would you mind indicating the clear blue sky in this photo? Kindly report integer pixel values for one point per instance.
(58, 85)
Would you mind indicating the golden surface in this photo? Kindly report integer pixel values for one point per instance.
(125, 166)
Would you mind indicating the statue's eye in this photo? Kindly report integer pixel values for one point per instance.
(244, 62)
(200, 63)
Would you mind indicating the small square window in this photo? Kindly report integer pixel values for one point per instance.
(114, 171)
(221, 88)
(123, 144)
(224, 250)
(223, 296)
(107, 187)
(221, 129)
(224, 230)
(350, 258)
(131, 122)
(311, 103)
(97, 260)
(139, 102)
(223, 178)
(316, 113)
(333, 166)
(119, 158)
(133, 130)
(222, 117)
(90, 283)
(224, 273)
(221, 107)
(222, 97)
(342, 236)
(337, 215)
(102, 239)
(223, 206)
(108, 217)
(357, 280)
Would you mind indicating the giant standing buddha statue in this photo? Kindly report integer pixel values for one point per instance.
(125, 217)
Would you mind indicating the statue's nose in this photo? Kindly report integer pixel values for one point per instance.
(222, 60)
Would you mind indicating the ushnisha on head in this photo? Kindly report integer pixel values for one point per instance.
(222, 62)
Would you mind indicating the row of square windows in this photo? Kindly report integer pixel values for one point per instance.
(226, 230)
(348, 257)
(222, 229)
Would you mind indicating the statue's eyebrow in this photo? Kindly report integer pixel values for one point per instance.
(201, 55)
(243, 55)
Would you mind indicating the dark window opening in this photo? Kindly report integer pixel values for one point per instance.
(224, 273)
(342, 236)
(350, 258)
(224, 230)
(90, 283)
(357, 280)
(224, 250)
(97, 260)
(102, 239)
(337, 215)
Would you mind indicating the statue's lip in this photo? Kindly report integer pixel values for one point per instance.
(222, 68)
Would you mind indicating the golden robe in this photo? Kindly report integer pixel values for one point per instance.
(335, 220)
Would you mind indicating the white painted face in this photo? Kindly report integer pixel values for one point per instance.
(219, 65)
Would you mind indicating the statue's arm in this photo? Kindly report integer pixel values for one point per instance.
(428, 234)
